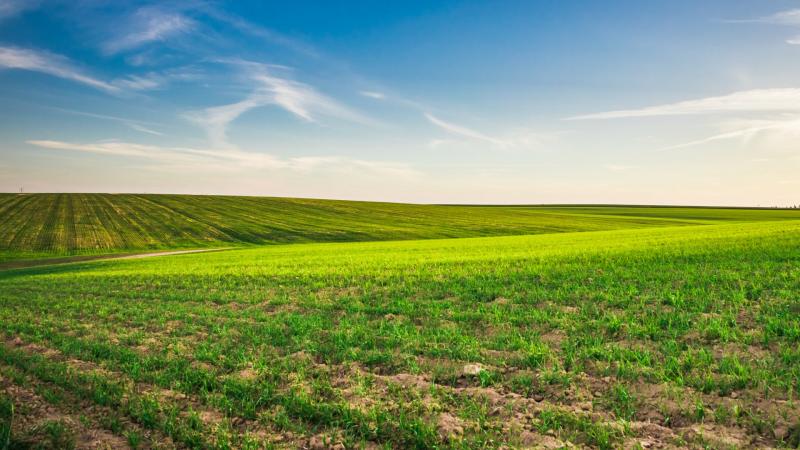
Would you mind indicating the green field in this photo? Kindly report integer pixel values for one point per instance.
(649, 328)
(41, 225)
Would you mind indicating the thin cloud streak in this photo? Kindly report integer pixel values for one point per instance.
(143, 129)
(788, 17)
(268, 35)
(746, 133)
(148, 24)
(463, 131)
(50, 64)
(373, 94)
(190, 158)
(138, 125)
(758, 100)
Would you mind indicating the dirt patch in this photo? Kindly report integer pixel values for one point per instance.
(36, 415)
(530, 439)
(248, 374)
(185, 403)
(325, 442)
(718, 437)
(449, 427)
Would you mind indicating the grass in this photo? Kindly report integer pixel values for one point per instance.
(57, 225)
(582, 337)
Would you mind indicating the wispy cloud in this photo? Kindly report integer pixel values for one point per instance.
(167, 155)
(140, 82)
(156, 80)
(785, 129)
(138, 125)
(373, 94)
(259, 31)
(10, 8)
(759, 100)
(300, 99)
(143, 129)
(215, 120)
(191, 158)
(51, 64)
(464, 131)
(789, 18)
(148, 24)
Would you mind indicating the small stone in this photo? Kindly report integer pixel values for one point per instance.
(473, 369)
(538, 397)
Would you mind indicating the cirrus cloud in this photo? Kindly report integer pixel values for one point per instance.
(299, 99)
(148, 24)
(50, 64)
(186, 159)
(757, 100)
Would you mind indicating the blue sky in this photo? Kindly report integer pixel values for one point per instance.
(673, 102)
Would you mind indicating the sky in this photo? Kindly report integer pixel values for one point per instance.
(533, 101)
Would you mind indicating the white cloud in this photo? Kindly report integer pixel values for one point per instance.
(464, 131)
(143, 129)
(790, 17)
(758, 100)
(140, 82)
(299, 99)
(157, 80)
(51, 64)
(215, 120)
(148, 24)
(782, 131)
(186, 159)
(373, 94)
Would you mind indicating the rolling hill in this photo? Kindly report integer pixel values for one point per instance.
(33, 225)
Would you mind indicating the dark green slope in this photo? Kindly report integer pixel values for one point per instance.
(66, 224)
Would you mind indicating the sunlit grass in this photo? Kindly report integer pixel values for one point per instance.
(367, 342)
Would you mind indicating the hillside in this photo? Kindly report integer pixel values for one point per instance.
(664, 336)
(66, 224)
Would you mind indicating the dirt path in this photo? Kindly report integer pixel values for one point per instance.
(166, 253)
(87, 258)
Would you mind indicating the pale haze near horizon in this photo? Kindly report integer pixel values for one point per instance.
(682, 102)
